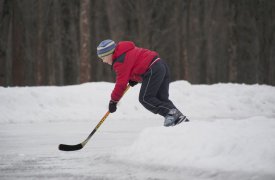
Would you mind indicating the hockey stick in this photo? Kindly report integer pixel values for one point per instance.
(65, 147)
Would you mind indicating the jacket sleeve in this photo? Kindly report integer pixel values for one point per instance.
(122, 78)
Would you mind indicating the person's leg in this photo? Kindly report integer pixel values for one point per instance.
(150, 87)
(174, 116)
(163, 93)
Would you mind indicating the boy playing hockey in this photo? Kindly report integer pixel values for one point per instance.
(133, 65)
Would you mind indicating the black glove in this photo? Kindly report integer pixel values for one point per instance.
(132, 83)
(112, 106)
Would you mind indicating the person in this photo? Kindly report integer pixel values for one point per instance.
(132, 65)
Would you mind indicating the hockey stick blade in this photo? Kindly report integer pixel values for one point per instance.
(65, 147)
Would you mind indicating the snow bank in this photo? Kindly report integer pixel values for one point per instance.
(81, 102)
(246, 145)
(224, 100)
(67, 103)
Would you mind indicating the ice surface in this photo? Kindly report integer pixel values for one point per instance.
(230, 136)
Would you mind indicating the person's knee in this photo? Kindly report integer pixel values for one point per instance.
(144, 100)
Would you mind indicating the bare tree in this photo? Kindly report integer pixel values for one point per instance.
(85, 67)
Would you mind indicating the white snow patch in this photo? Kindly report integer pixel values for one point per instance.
(230, 136)
(227, 145)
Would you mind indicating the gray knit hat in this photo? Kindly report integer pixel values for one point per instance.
(105, 48)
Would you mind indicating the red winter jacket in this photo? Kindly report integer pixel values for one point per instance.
(129, 63)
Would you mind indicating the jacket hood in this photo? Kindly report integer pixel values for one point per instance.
(122, 47)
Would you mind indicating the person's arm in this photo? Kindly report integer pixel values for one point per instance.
(122, 76)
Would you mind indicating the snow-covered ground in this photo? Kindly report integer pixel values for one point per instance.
(231, 134)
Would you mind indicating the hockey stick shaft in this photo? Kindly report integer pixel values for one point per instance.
(65, 147)
(95, 129)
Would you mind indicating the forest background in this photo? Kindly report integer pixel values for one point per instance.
(53, 42)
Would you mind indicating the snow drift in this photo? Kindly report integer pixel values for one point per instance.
(222, 145)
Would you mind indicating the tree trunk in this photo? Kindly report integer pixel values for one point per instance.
(85, 66)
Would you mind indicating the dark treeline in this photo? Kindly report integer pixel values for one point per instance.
(53, 42)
